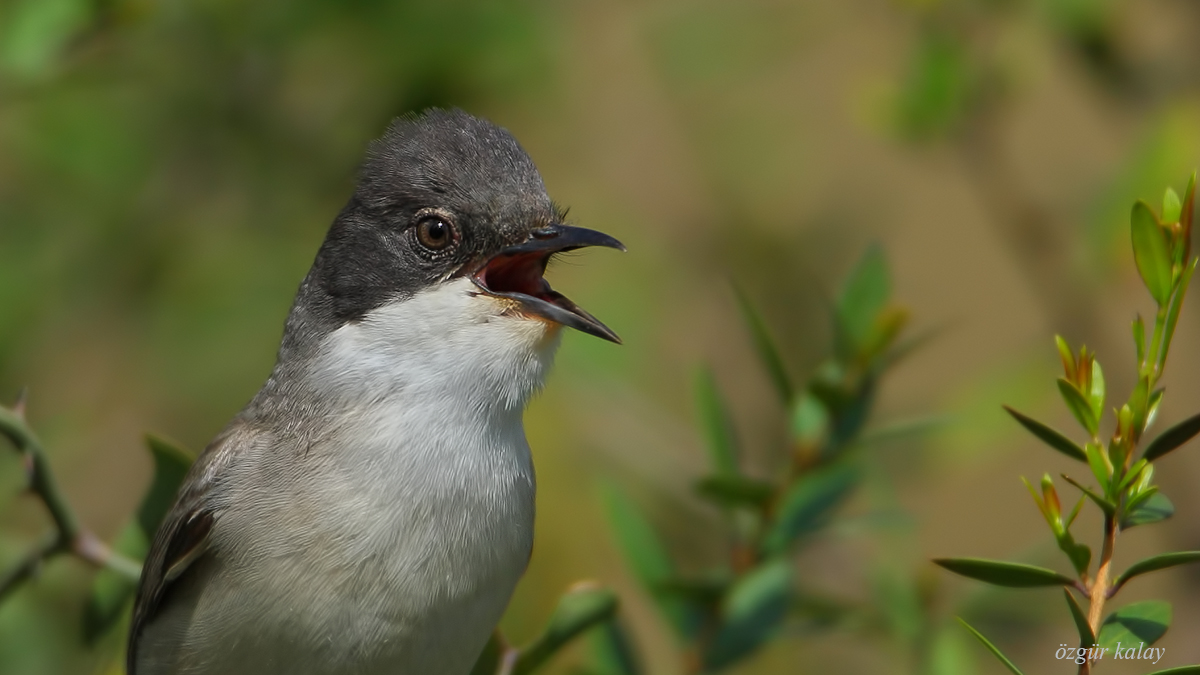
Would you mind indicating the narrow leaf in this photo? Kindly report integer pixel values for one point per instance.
(810, 420)
(1156, 508)
(728, 490)
(992, 648)
(768, 353)
(809, 503)
(1078, 405)
(1049, 436)
(1140, 622)
(1086, 637)
(1100, 465)
(1171, 207)
(643, 550)
(581, 608)
(718, 424)
(1064, 353)
(1151, 252)
(863, 298)
(753, 610)
(1158, 562)
(1173, 312)
(1001, 573)
(1173, 438)
(1106, 506)
(1139, 339)
(1097, 393)
(613, 650)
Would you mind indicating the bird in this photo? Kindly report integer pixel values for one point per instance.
(371, 509)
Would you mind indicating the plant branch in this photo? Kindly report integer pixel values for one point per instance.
(1099, 592)
(68, 535)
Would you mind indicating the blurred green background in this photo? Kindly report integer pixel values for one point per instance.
(169, 167)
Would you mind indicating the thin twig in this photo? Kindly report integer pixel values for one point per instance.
(27, 567)
(68, 535)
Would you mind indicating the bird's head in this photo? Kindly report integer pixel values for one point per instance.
(445, 242)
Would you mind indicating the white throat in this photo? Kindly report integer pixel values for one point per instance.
(450, 344)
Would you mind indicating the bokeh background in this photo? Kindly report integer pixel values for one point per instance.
(169, 167)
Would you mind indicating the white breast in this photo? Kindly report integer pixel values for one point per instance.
(417, 505)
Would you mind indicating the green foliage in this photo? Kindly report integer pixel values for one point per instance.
(726, 616)
(1087, 637)
(999, 573)
(1173, 438)
(1155, 563)
(580, 609)
(718, 426)
(1050, 436)
(993, 649)
(1126, 496)
(1135, 623)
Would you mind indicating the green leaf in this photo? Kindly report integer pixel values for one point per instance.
(729, 490)
(488, 662)
(753, 610)
(1078, 405)
(1173, 438)
(864, 296)
(703, 590)
(1151, 252)
(1049, 436)
(613, 651)
(1096, 395)
(581, 608)
(1079, 554)
(1136, 623)
(1173, 312)
(1007, 574)
(1106, 506)
(1158, 562)
(1064, 353)
(1139, 339)
(809, 503)
(1153, 510)
(1100, 465)
(810, 419)
(992, 648)
(1086, 637)
(768, 353)
(1179, 670)
(111, 592)
(645, 553)
(718, 424)
(1172, 207)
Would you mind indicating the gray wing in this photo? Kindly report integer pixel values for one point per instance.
(182, 537)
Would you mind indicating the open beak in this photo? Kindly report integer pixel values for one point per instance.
(516, 273)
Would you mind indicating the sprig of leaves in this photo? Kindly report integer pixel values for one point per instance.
(1126, 493)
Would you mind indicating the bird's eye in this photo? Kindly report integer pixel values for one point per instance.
(434, 233)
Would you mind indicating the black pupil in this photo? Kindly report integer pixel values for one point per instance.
(435, 230)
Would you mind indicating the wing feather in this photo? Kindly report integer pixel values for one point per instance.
(183, 536)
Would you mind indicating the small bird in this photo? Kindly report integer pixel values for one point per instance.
(371, 509)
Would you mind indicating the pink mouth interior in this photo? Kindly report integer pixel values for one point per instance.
(516, 274)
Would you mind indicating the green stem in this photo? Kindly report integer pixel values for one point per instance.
(68, 535)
